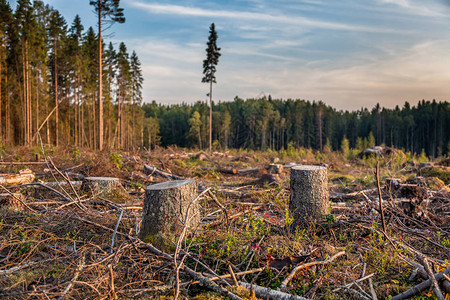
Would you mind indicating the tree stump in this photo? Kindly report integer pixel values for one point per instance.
(167, 206)
(275, 169)
(102, 185)
(309, 193)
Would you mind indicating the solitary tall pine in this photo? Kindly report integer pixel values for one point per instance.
(209, 70)
(107, 10)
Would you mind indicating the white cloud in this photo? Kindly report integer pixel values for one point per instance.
(411, 75)
(422, 8)
(254, 16)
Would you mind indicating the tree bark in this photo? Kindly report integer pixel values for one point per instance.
(102, 185)
(309, 193)
(100, 78)
(56, 98)
(210, 116)
(167, 206)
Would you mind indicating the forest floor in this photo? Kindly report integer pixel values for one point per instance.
(58, 240)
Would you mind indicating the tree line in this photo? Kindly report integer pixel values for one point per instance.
(276, 124)
(51, 80)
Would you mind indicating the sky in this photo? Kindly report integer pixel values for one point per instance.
(347, 53)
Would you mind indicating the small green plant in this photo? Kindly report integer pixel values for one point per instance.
(330, 218)
(22, 237)
(288, 220)
(76, 153)
(117, 160)
(443, 240)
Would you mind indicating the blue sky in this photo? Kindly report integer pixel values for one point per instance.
(348, 53)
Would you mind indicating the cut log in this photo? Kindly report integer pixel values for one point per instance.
(24, 176)
(309, 193)
(167, 206)
(102, 185)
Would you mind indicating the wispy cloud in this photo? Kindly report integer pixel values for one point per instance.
(422, 8)
(169, 9)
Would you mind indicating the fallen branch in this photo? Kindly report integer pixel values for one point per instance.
(20, 163)
(377, 177)
(44, 186)
(22, 266)
(268, 293)
(236, 274)
(221, 206)
(156, 171)
(115, 231)
(307, 265)
(435, 284)
(421, 286)
(74, 278)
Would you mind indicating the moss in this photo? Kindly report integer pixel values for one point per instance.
(163, 241)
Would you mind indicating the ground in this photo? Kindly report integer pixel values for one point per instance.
(54, 245)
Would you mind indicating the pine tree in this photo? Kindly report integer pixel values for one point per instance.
(110, 64)
(106, 10)
(74, 54)
(57, 31)
(26, 25)
(123, 78)
(136, 81)
(5, 23)
(209, 70)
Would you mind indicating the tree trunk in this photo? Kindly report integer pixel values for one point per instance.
(100, 78)
(56, 99)
(309, 193)
(27, 72)
(210, 116)
(7, 110)
(166, 206)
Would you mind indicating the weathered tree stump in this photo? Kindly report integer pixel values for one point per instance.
(102, 185)
(309, 193)
(167, 206)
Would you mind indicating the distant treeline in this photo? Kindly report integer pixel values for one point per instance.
(270, 123)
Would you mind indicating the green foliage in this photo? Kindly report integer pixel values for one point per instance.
(359, 144)
(443, 173)
(345, 146)
(444, 241)
(370, 140)
(76, 153)
(116, 158)
(423, 156)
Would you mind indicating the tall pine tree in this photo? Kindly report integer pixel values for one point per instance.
(209, 70)
(109, 11)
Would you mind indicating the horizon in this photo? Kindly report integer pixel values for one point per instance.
(344, 54)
